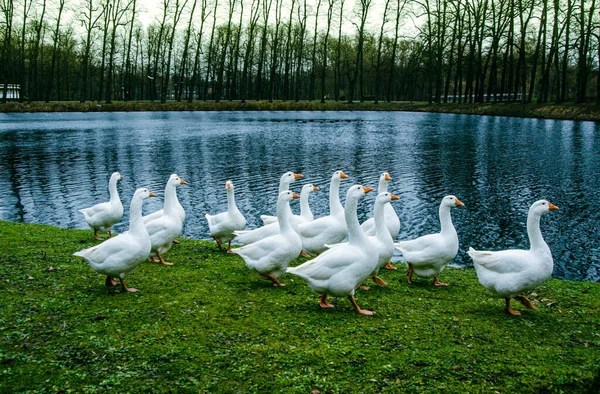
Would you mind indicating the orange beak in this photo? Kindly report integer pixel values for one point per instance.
(315, 188)
(152, 194)
(387, 177)
(298, 176)
(227, 186)
(368, 189)
(459, 203)
(552, 207)
(183, 182)
(295, 195)
(395, 197)
(342, 175)
(122, 177)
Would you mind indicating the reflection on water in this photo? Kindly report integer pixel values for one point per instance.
(52, 165)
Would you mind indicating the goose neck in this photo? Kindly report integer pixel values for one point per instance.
(112, 189)
(446, 220)
(283, 187)
(335, 206)
(383, 186)
(136, 223)
(305, 211)
(284, 214)
(381, 230)
(534, 232)
(231, 206)
(355, 232)
(171, 200)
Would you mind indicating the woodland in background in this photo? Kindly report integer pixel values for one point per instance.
(439, 51)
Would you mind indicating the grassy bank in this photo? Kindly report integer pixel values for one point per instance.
(567, 111)
(209, 324)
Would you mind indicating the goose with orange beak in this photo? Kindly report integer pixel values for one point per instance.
(119, 256)
(392, 221)
(270, 256)
(428, 255)
(340, 270)
(222, 225)
(164, 229)
(250, 236)
(329, 229)
(510, 273)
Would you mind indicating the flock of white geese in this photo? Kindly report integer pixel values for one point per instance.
(339, 268)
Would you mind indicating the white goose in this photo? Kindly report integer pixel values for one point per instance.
(509, 273)
(270, 256)
(165, 228)
(119, 256)
(382, 240)
(156, 214)
(101, 217)
(329, 229)
(306, 214)
(284, 185)
(222, 225)
(392, 220)
(250, 236)
(427, 256)
(340, 270)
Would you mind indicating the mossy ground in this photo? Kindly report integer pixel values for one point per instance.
(208, 324)
(568, 111)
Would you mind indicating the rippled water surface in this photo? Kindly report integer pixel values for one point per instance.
(52, 165)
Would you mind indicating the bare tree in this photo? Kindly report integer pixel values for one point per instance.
(300, 53)
(254, 14)
(89, 17)
(363, 12)
(225, 46)
(313, 62)
(236, 54)
(55, 38)
(379, 51)
(586, 26)
(117, 13)
(179, 7)
(275, 50)
(325, 54)
(7, 8)
(210, 50)
(288, 52)
(338, 76)
(22, 70)
(195, 71)
(128, 72)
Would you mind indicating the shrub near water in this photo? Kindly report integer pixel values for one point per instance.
(209, 324)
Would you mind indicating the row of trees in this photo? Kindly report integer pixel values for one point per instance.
(426, 50)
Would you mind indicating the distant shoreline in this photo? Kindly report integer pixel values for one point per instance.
(566, 111)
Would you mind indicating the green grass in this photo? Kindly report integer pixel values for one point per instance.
(208, 324)
(569, 111)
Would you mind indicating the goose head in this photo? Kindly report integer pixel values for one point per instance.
(175, 180)
(116, 176)
(542, 207)
(288, 196)
(309, 188)
(289, 177)
(357, 191)
(339, 175)
(386, 197)
(229, 186)
(385, 177)
(452, 201)
(143, 193)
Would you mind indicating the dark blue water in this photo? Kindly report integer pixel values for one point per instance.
(53, 164)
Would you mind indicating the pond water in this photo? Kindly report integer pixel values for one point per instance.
(53, 164)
